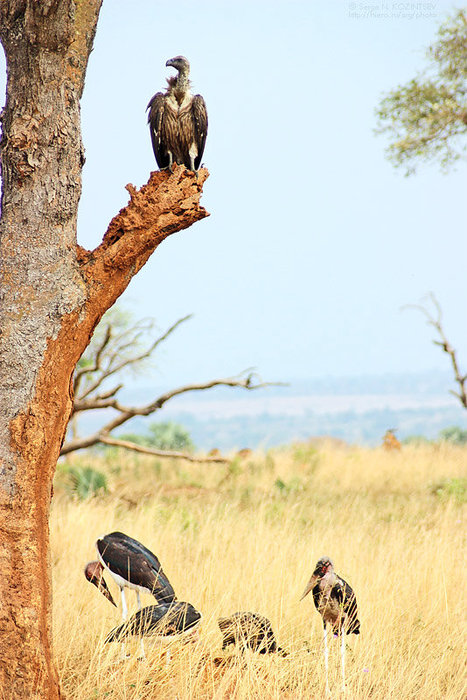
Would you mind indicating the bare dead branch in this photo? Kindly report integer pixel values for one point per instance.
(443, 342)
(81, 372)
(110, 393)
(250, 382)
(129, 412)
(113, 365)
(160, 453)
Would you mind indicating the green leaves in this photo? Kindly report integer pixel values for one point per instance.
(86, 482)
(426, 119)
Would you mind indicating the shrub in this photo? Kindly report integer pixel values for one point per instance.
(86, 482)
(454, 434)
(455, 488)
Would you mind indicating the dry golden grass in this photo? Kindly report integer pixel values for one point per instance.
(246, 538)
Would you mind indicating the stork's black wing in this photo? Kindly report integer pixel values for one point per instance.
(160, 620)
(136, 564)
(200, 126)
(316, 593)
(156, 108)
(346, 598)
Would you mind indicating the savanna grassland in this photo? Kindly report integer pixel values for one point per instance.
(245, 537)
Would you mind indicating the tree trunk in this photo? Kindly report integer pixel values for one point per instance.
(53, 293)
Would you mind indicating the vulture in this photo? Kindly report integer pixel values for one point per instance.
(249, 630)
(178, 121)
(336, 603)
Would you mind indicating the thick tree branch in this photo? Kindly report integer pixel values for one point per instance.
(160, 453)
(168, 203)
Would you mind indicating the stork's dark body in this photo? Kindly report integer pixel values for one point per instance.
(135, 565)
(178, 121)
(250, 630)
(158, 620)
(336, 603)
(334, 599)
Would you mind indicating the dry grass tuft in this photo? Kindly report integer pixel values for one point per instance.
(245, 537)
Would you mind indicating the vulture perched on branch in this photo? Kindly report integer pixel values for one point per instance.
(178, 121)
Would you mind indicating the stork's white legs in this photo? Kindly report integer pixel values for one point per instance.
(343, 658)
(124, 618)
(124, 605)
(141, 642)
(326, 657)
(167, 657)
(142, 654)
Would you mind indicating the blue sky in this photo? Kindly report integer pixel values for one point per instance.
(314, 242)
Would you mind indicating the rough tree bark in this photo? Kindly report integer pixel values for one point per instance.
(53, 293)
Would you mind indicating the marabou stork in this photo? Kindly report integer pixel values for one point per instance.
(131, 565)
(178, 121)
(164, 621)
(249, 630)
(336, 603)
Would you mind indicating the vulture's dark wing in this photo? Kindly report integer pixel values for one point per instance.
(248, 629)
(156, 109)
(346, 598)
(136, 564)
(200, 126)
(161, 620)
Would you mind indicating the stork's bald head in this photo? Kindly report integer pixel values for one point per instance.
(181, 63)
(323, 566)
(94, 573)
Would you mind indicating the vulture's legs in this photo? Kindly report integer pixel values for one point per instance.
(171, 161)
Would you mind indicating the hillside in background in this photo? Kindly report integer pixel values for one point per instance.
(355, 409)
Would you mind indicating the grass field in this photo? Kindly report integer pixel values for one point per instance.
(246, 537)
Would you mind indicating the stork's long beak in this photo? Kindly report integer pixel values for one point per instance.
(94, 574)
(102, 586)
(309, 586)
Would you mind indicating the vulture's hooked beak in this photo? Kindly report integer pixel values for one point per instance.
(310, 585)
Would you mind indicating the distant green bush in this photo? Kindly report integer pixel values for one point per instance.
(454, 434)
(416, 440)
(455, 488)
(86, 482)
(293, 486)
(163, 436)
